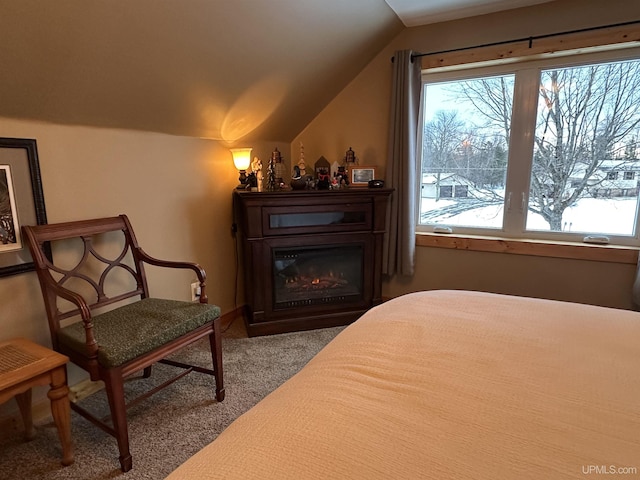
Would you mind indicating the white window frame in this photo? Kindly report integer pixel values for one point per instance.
(521, 147)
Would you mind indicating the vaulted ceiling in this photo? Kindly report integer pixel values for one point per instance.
(219, 69)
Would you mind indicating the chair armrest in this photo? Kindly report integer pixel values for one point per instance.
(83, 308)
(200, 273)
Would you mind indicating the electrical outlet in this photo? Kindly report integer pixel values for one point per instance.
(195, 291)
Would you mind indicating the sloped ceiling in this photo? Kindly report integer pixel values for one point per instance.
(227, 70)
(219, 69)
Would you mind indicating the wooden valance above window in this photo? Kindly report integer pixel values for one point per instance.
(566, 43)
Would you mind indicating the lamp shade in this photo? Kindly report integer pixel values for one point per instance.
(241, 157)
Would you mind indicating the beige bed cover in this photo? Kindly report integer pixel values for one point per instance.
(450, 385)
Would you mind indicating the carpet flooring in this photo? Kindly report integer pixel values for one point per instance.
(166, 429)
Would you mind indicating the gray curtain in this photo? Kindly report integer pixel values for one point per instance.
(402, 166)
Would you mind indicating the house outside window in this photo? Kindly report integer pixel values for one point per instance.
(537, 148)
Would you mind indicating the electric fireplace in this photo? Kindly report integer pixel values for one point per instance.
(317, 275)
(311, 258)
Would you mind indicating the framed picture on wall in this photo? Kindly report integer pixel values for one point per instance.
(9, 226)
(21, 202)
(361, 175)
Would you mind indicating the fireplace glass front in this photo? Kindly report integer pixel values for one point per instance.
(317, 275)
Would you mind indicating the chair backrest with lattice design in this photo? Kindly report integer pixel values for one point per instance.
(96, 264)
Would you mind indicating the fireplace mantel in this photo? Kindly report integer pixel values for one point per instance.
(312, 258)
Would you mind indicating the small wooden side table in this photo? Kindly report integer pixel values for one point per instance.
(24, 364)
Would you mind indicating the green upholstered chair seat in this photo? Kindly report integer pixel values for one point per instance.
(132, 330)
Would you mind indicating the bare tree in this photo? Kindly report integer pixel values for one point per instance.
(441, 140)
(587, 115)
(469, 145)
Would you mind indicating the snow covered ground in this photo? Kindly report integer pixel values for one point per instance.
(614, 216)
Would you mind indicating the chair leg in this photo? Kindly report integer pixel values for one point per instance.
(216, 356)
(24, 403)
(115, 393)
(146, 373)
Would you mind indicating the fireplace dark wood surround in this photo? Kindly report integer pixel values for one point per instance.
(311, 258)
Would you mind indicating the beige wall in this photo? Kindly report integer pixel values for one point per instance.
(599, 283)
(357, 118)
(175, 190)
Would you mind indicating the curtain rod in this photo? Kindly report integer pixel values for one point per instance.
(525, 39)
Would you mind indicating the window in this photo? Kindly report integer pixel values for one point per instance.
(534, 150)
(462, 191)
(446, 191)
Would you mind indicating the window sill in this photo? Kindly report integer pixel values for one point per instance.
(540, 248)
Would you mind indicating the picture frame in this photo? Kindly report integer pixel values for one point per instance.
(9, 234)
(360, 175)
(21, 202)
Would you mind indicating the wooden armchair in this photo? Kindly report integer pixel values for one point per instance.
(116, 343)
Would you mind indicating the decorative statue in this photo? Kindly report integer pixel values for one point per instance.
(272, 186)
(298, 182)
(256, 168)
(324, 179)
(279, 167)
(322, 168)
(301, 164)
(252, 181)
(350, 157)
(334, 168)
(340, 178)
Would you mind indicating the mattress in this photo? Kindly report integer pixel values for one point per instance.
(450, 385)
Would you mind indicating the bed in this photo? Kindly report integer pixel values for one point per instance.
(450, 385)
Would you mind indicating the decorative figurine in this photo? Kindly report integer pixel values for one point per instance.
(297, 180)
(324, 182)
(272, 185)
(299, 177)
(350, 157)
(334, 168)
(252, 182)
(256, 168)
(279, 167)
(323, 173)
(301, 165)
(341, 177)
